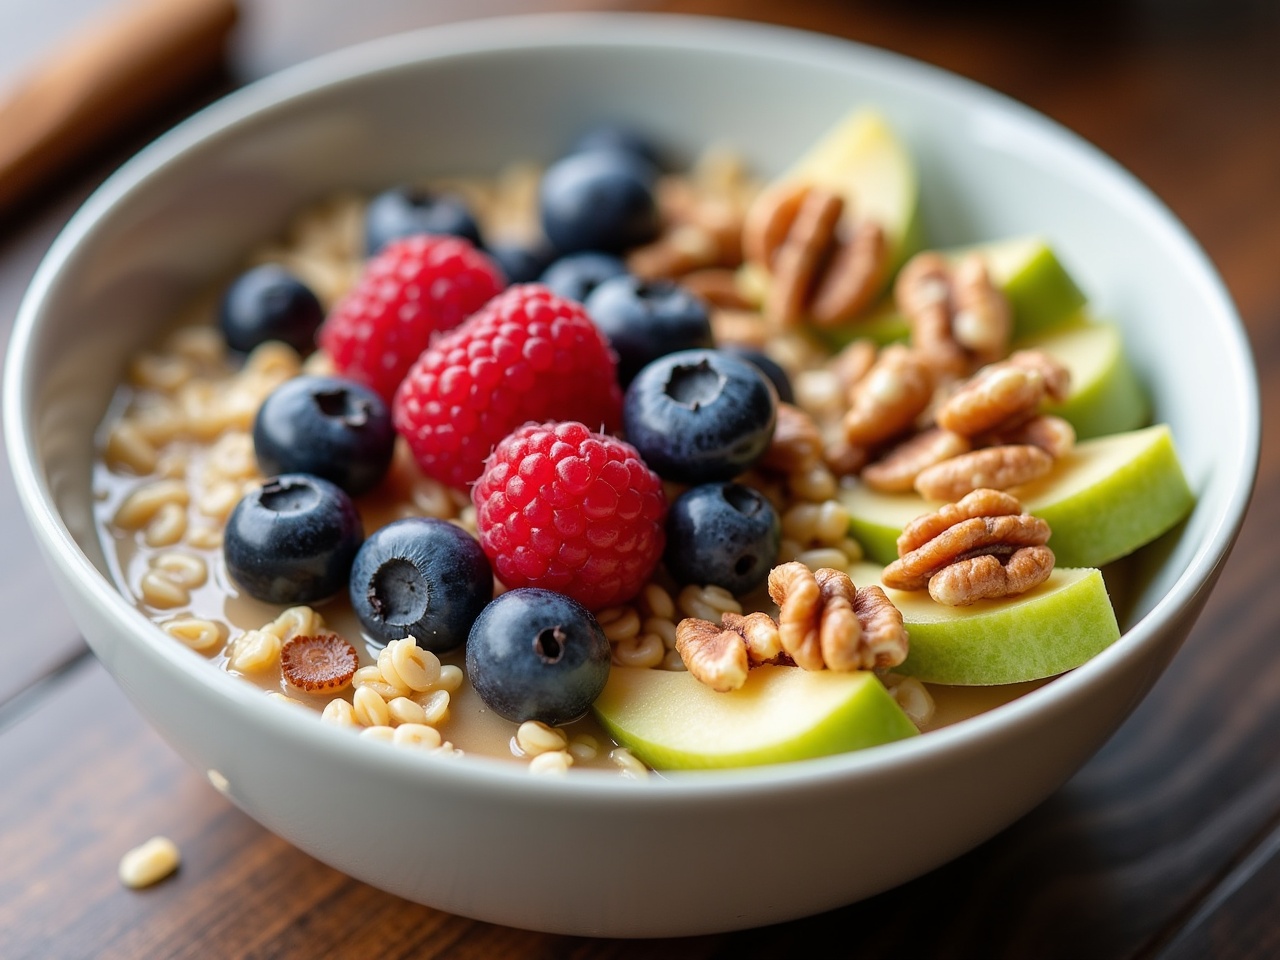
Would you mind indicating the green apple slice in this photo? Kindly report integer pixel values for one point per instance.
(1103, 500)
(862, 159)
(1105, 396)
(672, 722)
(1042, 633)
(1041, 292)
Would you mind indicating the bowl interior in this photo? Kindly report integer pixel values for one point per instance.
(471, 98)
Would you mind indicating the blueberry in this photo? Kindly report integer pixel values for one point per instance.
(766, 365)
(534, 654)
(270, 303)
(521, 263)
(423, 578)
(599, 200)
(620, 138)
(576, 275)
(403, 212)
(647, 319)
(699, 415)
(331, 428)
(722, 533)
(292, 540)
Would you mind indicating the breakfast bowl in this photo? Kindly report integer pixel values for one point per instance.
(682, 853)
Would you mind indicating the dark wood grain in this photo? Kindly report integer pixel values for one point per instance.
(1166, 845)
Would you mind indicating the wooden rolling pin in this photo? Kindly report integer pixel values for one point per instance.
(109, 75)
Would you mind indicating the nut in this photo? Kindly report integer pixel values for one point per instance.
(997, 468)
(853, 362)
(792, 230)
(824, 621)
(984, 524)
(714, 655)
(958, 317)
(1003, 394)
(718, 286)
(802, 255)
(986, 577)
(796, 443)
(897, 470)
(887, 401)
(1051, 434)
(760, 632)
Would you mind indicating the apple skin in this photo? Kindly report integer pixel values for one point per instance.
(1106, 498)
(1041, 292)
(1105, 396)
(672, 722)
(1054, 628)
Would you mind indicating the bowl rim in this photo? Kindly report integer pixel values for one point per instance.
(636, 31)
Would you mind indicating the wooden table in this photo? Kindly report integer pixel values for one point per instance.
(1166, 845)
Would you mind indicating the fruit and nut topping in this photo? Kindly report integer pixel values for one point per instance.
(530, 466)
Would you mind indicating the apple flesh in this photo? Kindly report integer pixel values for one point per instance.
(1103, 500)
(1051, 629)
(672, 722)
(1105, 395)
(1042, 294)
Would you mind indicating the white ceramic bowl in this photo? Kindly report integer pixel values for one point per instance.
(594, 854)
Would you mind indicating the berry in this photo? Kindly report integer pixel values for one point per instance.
(766, 365)
(621, 139)
(566, 509)
(537, 655)
(521, 263)
(414, 288)
(575, 275)
(598, 200)
(527, 355)
(403, 212)
(722, 533)
(270, 303)
(292, 540)
(336, 429)
(700, 415)
(647, 319)
(423, 578)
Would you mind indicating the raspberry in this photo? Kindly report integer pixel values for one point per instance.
(565, 509)
(415, 287)
(527, 355)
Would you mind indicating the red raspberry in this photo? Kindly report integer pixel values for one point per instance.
(569, 510)
(527, 355)
(412, 289)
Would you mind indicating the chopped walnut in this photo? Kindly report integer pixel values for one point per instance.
(980, 547)
(760, 633)
(701, 230)
(714, 655)
(718, 286)
(824, 621)
(853, 362)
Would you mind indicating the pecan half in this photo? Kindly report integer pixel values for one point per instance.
(801, 256)
(896, 471)
(1004, 394)
(887, 401)
(984, 537)
(958, 318)
(819, 271)
(1051, 434)
(996, 468)
(714, 655)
